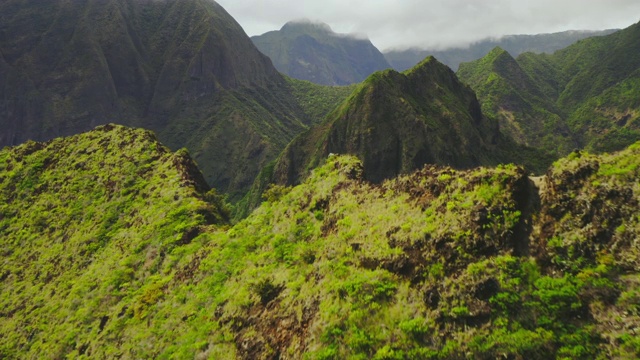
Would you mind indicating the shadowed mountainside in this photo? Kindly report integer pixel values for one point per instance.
(184, 69)
(397, 122)
(312, 51)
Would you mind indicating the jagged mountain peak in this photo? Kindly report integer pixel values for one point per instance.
(397, 122)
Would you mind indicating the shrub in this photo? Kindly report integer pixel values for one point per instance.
(266, 290)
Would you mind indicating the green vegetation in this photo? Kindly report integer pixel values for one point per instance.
(112, 246)
(581, 97)
(397, 122)
(184, 69)
(317, 100)
(522, 106)
(377, 237)
(94, 228)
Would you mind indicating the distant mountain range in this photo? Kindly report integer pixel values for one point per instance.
(312, 51)
(514, 44)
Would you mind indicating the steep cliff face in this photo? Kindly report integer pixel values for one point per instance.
(397, 122)
(313, 52)
(184, 69)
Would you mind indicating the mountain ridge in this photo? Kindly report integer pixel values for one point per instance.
(141, 263)
(396, 122)
(509, 92)
(582, 94)
(514, 44)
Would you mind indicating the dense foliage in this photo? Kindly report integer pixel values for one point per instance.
(108, 251)
(92, 229)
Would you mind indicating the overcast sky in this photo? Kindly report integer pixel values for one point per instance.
(436, 23)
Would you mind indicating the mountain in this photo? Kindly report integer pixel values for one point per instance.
(312, 51)
(397, 122)
(514, 44)
(113, 247)
(525, 109)
(580, 97)
(89, 225)
(184, 69)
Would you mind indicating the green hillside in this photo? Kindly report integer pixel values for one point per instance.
(581, 97)
(397, 218)
(112, 249)
(525, 109)
(397, 122)
(93, 228)
(184, 69)
(312, 51)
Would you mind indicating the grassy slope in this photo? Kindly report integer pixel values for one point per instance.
(525, 109)
(436, 264)
(93, 227)
(439, 264)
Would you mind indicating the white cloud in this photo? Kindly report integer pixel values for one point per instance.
(436, 23)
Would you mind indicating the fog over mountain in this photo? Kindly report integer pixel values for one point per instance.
(312, 51)
(436, 24)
